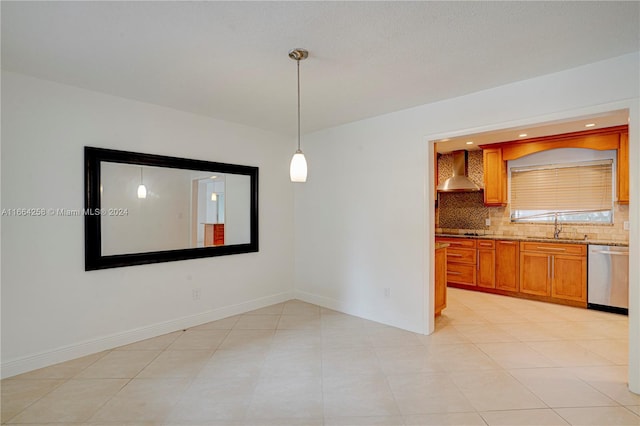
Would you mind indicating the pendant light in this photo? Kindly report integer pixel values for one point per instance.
(142, 190)
(298, 167)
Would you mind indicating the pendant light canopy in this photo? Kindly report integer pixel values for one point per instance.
(298, 167)
(142, 190)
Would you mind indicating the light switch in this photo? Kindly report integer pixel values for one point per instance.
(626, 225)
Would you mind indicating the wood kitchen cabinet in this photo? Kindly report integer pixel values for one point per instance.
(547, 271)
(507, 265)
(535, 272)
(495, 177)
(495, 157)
(623, 169)
(558, 271)
(485, 264)
(440, 266)
(461, 261)
(569, 278)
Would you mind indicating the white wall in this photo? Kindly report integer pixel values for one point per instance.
(363, 218)
(52, 310)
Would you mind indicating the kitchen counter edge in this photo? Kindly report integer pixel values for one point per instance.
(534, 239)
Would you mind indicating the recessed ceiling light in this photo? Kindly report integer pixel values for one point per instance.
(522, 135)
(470, 143)
(214, 177)
(590, 125)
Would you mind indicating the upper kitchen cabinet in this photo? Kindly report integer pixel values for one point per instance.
(623, 169)
(495, 157)
(495, 177)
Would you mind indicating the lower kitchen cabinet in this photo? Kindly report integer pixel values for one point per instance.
(486, 264)
(507, 262)
(461, 261)
(556, 271)
(547, 271)
(440, 267)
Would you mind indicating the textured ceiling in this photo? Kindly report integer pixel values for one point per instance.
(229, 60)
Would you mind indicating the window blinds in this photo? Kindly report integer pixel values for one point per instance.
(577, 187)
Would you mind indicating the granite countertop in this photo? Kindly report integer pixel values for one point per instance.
(537, 239)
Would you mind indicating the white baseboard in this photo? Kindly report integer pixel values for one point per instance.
(325, 302)
(44, 359)
(333, 304)
(344, 307)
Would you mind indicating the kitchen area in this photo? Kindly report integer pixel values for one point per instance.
(539, 213)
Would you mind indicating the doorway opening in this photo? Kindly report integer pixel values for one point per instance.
(467, 315)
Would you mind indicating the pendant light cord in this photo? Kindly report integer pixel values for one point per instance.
(298, 61)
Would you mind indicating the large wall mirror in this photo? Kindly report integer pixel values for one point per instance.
(145, 208)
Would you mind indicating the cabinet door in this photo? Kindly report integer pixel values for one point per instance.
(569, 277)
(535, 270)
(486, 276)
(623, 169)
(495, 177)
(507, 260)
(440, 301)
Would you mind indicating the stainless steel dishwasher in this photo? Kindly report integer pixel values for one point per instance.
(608, 279)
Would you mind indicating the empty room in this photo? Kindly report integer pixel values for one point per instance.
(320, 213)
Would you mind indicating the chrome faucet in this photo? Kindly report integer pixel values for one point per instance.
(557, 227)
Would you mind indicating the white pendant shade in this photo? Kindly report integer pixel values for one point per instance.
(214, 196)
(142, 191)
(298, 168)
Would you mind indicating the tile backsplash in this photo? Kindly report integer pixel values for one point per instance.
(461, 212)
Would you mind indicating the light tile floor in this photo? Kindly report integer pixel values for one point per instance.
(493, 360)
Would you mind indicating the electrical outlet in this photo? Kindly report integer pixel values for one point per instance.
(626, 225)
(195, 294)
(487, 222)
(387, 292)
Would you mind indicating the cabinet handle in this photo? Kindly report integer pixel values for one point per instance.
(511, 243)
(478, 260)
(453, 255)
(550, 248)
(553, 267)
(549, 267)
(485, 244)
(454, 273)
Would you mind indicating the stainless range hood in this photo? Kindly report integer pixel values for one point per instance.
(459, 182)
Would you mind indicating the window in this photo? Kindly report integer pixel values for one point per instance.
(572, 192)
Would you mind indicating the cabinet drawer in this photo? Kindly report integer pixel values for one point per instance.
(458, 242)
(461, 255)
(461, 273)
(552, 248)
(486, 244)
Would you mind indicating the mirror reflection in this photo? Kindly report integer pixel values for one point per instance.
(153, 208)
(168, 209)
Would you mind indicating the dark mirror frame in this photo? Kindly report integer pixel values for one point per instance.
(92, 203)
